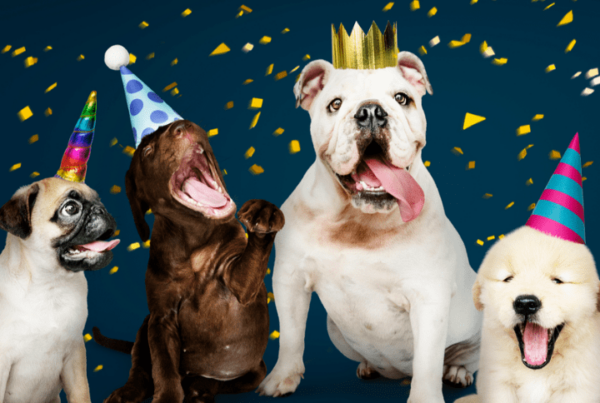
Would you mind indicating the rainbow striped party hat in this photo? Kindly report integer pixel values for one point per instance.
(74, 162)
(559, 212)
(147, 110)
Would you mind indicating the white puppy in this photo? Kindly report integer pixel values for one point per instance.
(541, 327)
(56, 229)
(395, 281)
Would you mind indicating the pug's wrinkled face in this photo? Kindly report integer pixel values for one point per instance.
(63, 219)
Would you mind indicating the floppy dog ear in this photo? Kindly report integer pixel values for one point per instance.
(477, 295)
(138, 206)
(312, 80)
(413, 70)
(15, 215)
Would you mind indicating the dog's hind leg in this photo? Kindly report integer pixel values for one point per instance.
(139, 386)
(461, 361)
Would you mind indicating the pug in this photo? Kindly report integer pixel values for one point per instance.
(57, 230)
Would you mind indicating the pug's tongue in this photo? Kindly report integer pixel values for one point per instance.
(204, 194)
(535, 339)
(399, 183)
(100, 246)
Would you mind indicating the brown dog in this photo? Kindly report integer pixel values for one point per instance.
(208, 324)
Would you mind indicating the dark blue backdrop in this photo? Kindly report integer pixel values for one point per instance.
(508, 96)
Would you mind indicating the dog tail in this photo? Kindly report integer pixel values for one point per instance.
(119, 345)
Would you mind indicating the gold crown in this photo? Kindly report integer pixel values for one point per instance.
(359, 51)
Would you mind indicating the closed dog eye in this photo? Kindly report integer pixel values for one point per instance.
(557, 280)
(507, 279)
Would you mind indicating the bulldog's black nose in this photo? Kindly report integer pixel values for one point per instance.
(370, 116)
(527, 304)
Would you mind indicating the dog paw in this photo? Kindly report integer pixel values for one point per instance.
(125, 395)
(457, 376)
(279, 385)
(365, 372)
(262, 217)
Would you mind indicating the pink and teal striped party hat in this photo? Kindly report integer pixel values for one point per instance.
(559, 212)
(74, 162)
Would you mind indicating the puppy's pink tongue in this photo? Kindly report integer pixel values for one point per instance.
(204, 194)
(535, 339)
(400, 184)
(101, 246)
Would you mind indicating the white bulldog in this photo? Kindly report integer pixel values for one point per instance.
(366, 230)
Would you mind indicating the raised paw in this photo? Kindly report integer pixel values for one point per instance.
(365, 372)
(279, 384)
(261, 217)
(457, 376)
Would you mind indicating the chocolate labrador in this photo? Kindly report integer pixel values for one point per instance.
(208, 325)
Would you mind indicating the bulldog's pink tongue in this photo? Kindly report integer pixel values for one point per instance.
(535, 339)
(400, 184)
(101, 246)
(204, 194)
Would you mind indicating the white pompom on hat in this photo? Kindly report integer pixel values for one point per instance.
(116, 57)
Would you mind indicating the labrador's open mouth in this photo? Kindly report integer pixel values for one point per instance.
(197, 186)
(536, 343)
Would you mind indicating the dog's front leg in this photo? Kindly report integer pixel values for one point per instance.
(74, 376)
(5, 364)
(429, 311)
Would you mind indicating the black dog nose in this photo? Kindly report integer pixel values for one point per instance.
(370, 116)
(527, 304)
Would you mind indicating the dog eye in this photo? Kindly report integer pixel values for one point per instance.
(70, 209)
(401, 98)
(335, 105)
(147, 151)
(557, 280)
(507, 279)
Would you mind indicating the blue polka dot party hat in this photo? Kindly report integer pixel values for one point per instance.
(147, 110)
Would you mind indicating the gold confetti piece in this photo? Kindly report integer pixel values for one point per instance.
(294, 146)
(587, 164)
(570, 46)
(306, 57)
(229, 105)
(479, 242)
(586, 92)
(548, 6)
(254, 120)
(271, 295)
(248, 81)
(264, 40)
(269, 69)
(274, 335)
(294, 69)
(34, 174)
(491, 237)
(567, 19)
(509, 205)
(591, 73)
(174, 91)
(213, 132)
(268, 271)
(48, 112)
(427, 163)
(529, 208)
(414, 5)
(150, 56)
(256, 169)
(133, 246)
(522, 154)
(285, 31)
(222, 48)
(224, 172)
(246, 9)
(98, 368)
(129, 151)
(471, 165)
(146, 244)
(388, 7)
(595, 82)
(174, 62)
(6, 48)
(487, 195)
(255, 103)
(434, 41)
(117, 232)
(432, 12)
(17, 52)
(278, 132)
(30, 61)
(583, 178)
(47, 48)
(406, 381)
(537, 117)
(529, 181)
(80, 58)
(457, 151)
(422, 50)
(247, 47)
(523, 130)
(471, 120)
(132, 58)
(143, 24)
(500, 236)
(464, 40)
(186, 12)
(500, 62)
(576, 75)
(87, 337)
(53, 86)
(114, 270)
(554, 155)
(33, 138)
(115, 189)
(15, 167)
(550, 68)
(170, 86)
(249, 153)
(149, 211)
(25, 113)
(240, 14)
(114, 141)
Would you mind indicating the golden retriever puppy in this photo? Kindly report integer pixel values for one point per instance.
(541, 327)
